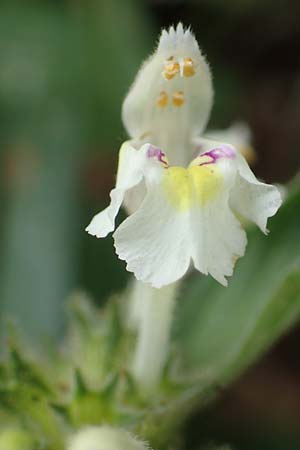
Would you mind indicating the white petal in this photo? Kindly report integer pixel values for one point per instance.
(238, 135)
(134, 197)
(171, 111)
(203, 145)
(160, 239)
(154, 241)
(249, 197)
(104, 223)
(130, 173)
(218, 239)
(133, 164)
(252, 199)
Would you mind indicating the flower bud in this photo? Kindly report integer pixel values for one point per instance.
(105, 438)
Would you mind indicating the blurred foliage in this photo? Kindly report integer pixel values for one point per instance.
(214, 447)
(221, 331)
(64, 72)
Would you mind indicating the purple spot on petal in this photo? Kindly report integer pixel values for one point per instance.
(156, 153)
(223, 151)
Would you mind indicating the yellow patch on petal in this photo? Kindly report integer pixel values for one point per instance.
(207, 182)
(176, 186)
(192, 187)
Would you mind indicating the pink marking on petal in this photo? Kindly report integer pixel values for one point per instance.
(223, 151)
(159, 155)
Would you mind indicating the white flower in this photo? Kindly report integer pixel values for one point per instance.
(179, 214)
(105, 438)
(187, 214)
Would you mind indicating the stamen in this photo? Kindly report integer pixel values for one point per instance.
(188, 67)
(171, 69)
(162, 99)
(178, 98)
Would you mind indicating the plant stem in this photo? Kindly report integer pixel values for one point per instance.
(153, 319)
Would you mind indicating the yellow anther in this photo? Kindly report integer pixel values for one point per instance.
(162, 99)
(171, 69)
(188, 67)
(178, 98)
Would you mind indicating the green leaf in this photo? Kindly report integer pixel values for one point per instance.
(224, 330)
(26, 373)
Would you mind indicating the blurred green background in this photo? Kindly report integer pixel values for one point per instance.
(65, 67)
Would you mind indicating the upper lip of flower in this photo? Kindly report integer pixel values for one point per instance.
(177, 102)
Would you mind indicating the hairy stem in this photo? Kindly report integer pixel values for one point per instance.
(152, 314)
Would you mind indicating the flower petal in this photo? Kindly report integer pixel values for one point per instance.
(185, 215)
(218, 239)
(103, 223)
(252, 199)
(238, 135)
(129, 175)
(171, 98)
(132, 163)
(154, 241)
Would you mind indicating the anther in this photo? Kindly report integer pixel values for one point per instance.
(188, 67)
(178, 98)
(171, 69)
(162, 99)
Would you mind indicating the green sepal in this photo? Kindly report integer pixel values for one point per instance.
(27, 373)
